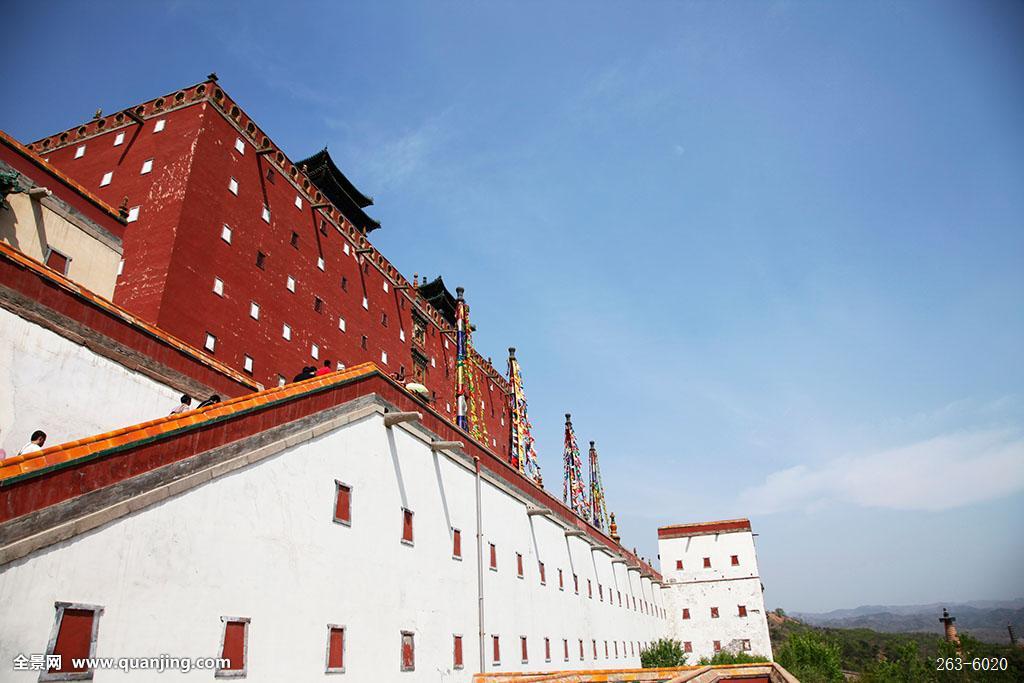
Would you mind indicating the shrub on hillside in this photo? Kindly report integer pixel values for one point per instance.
(664, 652)
(811, 658)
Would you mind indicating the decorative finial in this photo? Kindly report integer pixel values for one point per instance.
(123, 209)
(415, 279)
(613, 529)
(511, 352)
(98, 114)
(212, 76)
(459, 292)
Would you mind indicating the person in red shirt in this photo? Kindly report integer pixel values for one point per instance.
(325, 369)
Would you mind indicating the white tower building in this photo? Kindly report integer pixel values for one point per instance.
(712, 588)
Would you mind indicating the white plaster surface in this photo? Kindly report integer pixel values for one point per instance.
(48, 382)
(261, 542)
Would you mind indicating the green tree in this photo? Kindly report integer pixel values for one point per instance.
(903, 663)
(664, 652)
(811, 658)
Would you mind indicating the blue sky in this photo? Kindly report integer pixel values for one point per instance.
(768, 254)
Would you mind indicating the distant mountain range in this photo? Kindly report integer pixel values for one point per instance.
(983, 619)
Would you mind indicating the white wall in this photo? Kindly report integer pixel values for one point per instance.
(261, 543)
(723, 586)
(48, 382)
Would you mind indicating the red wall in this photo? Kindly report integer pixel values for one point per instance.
(174, 251)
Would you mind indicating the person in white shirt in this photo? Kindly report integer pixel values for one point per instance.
(35, 444)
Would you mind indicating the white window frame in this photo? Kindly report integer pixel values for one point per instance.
(80, 151)
(225, 233)
(247, 363)
(233, 186)
(210, 344)
(286, 331)
(320, 262)
(147, 167)
(254, 310)
(341, 324)
(119, 139)
(344, 643)
(159, 125)
(107, 178)
(240, 145)
(61, 607)
(290, 284)
(234, 673)
(314, 351)
(384, 357)
(265, 214)
(298, 202)
(133, 214)
(218, 286)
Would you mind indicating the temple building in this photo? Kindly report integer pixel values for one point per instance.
(383, 520)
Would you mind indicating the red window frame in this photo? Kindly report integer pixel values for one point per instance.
(495, 650)
(742, 609)
(342, 503)
(543, 577)
(407, 530)
(523, 649)
(408, 651)
(735, 559)
(707, 563)
(75, 630)
(714, 612)
(457, 651)
(494, 557)
(717, 645)
(679, 564)
(519, 565)
(456, 544)
(335, 648)
(234, 645)
(687, 646)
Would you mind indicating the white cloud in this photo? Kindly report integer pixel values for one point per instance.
(944, 472)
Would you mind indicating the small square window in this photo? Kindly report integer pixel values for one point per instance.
(714, 612)
(344, 248)
(401, 335)
(265, 215)
(211, 342)
(384, 319)
(456, 544)
(344, 283)
(239, 146)
(159, 126)
(362, 342)
(298, 202)
(335, 649)
(342, 503)
(80, 152)
(519, 565)
(294, 241)
(247, 364)
(318, 304)
(717, 646)
(147, 166)
(386, 288)
(687, 646)
(261, 259)
(133, 214)
(218, 286)
(290, 284)
(225, 234)
(281, 381)
(384, 357)
(741, 610)
(407, 526)
(107, 177)
(433, 363)
(745, 645)
(341, 324)
(233, 186)
(320, 263)
(366, 304)
(707, 562)
(286, 332)
(119, 139)
(679, 564)
(735, 560)
(408, 652)
(314, 351)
